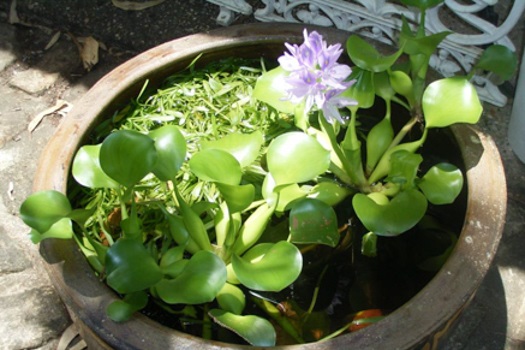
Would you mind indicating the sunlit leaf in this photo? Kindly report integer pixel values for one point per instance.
(217, 166)
(255, 330)
(43, 209)
(127, 156)
(200, 281)
(284, 196)
(451, 100)
(271, 88)
(313, 221)
(269, 267)
(238, 197)
(377, 142)
(171, 151)
(296, 157)
(401, 214)
(130, 267)
(86, 168)
(330, 193)
(61, 229)
(244, 147)
(442, 183)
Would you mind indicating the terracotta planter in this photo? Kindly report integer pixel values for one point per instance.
(421, 322)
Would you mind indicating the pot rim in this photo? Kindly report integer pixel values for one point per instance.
(87, 297)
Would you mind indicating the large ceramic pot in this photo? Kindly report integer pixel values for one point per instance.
(419, 323)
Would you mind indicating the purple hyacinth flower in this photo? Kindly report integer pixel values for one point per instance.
(315, 77)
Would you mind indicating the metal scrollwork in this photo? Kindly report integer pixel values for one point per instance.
(381, 20)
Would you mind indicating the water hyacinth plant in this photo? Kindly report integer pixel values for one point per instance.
(214, 213)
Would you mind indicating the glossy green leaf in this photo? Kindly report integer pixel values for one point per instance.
(271, 88)
(499, 60)
(61, 229)
(422, 4)
(404, 167)
(330, 193)
(362, 90)
(193, 223)
(122, 310)
(384, 165)
(377, 142)
(86, 168)
(216, 165)
(172, 263)
(402, 83)
(244, 147)
(253, 228)
(180, 233)
(442, 183)
(171, 151)
(449, 101)
(127, 156)
(130, 267)
(366, 56)
(382, 86)
(238, 197)
(284, 196)
(369, 245)
(401, 214)
(231, 298)
(415, 44)
(257, 331)
(296, 157)
(43, 209)
(200, 281)
(269, 267)
(313, 221)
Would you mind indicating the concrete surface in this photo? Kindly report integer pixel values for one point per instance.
(33, 78)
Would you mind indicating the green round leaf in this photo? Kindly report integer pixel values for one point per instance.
(365, 55)
(500, 60)
(127, 156)
(216, 165)
(313, 221)
(402, 213)
(244, 147)
(255, 330)
(171, 151)
(231, 298)
(130, 267)
(296, 157)
(449, 101)
(285, 194)
(269, 267)
(362, 90)
(61, 229)
(442, 183)
(86, 168)
(377, 142)
(200, 281)
(271, 88)
(122, 310)
(238, 197)
(330, 193)
(43, 209)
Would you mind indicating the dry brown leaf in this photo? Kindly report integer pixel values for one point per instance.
(13, 15)
(61, 107)
(89, 52)
(135, 6)
(53, 41)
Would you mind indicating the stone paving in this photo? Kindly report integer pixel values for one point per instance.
(32, 79)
